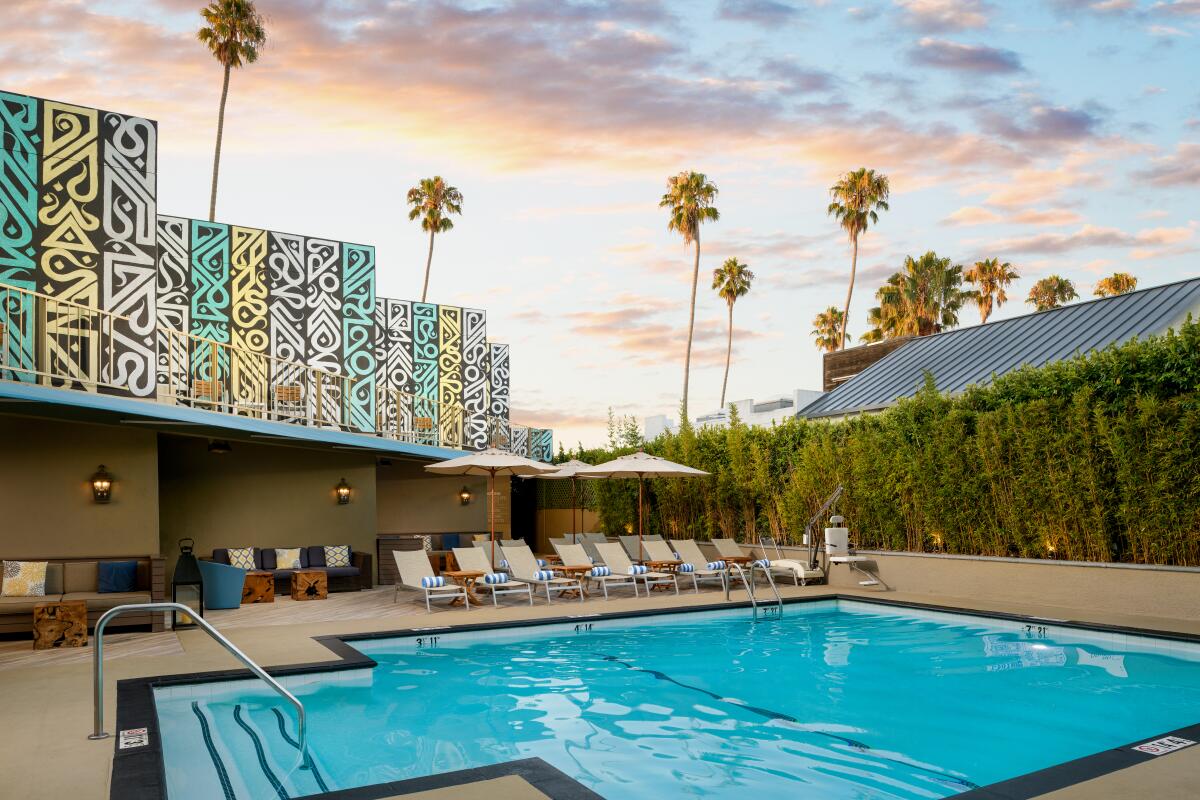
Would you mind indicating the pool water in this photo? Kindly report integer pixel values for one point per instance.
(836, 699)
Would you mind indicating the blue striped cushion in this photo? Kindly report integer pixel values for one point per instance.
(433, 581)
(497, 577)
(685, 567)
(600, 572)
(638, 569)
(541, 562)
(716, 565)
(763, 563)
(543, 575)
(504, 563)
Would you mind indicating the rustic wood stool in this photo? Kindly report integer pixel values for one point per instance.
(62, 624)
(310, 585)
(259, 587)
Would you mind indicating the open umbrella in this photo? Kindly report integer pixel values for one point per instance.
(567, 469)
(641, 465)
(490, 462)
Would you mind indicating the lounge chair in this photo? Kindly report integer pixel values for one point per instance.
(524, 568)
(701, 568)
(589, 542)
(728, 547)
(630, 543)
(473, 558)
(573, 554)
(618, 561)
(485, 544)
(416, 574)
(799, 571)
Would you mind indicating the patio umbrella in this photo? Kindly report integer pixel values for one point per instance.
(641, 465)
(490, 462)
(567, 469)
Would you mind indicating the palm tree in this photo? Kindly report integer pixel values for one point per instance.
(990, 278)
(1115, 284)
(1051, 292)
(433, 201)
(857, 196)
(827, 327)
(690, 199)
(234, 34)
(921, 299)
(731, 281)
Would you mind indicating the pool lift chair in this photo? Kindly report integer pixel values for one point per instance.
(838, 551)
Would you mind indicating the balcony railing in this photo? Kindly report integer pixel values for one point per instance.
(59, 343)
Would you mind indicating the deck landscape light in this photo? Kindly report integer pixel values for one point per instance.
(101, 485)
(343, 493)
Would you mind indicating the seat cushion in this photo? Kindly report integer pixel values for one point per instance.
(283, 573)
(80, 576)
(221, 555)
(107, 600)
(54, 579)
(316, 555)
(341, 572)
(24, 605)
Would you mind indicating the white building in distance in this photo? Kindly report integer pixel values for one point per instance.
(762, 413)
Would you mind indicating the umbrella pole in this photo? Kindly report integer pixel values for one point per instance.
(492, 511)
(641, 483)
(574, 527)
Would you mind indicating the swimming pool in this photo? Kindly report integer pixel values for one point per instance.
(838, 699)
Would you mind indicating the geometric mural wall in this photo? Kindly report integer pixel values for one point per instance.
(79, 223)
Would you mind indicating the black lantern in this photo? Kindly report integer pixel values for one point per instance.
(464, 496)
(343, 492)
(187, 585)
(101, 485)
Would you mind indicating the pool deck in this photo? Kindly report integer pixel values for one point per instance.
(47, 702)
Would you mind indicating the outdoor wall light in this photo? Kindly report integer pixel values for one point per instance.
(219, 446)
(464, 496)
(343, 493)
(101, 485)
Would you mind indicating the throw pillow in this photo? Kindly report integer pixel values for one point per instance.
(338, 556)
(287, 558)
(242, 557)
(116, 576)
(24, 579)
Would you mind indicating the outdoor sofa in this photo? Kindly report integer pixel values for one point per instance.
(78, 579)
(341, 579)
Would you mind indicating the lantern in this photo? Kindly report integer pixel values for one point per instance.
(101, 485)
(187, 585)
(464, 496)
(343, 492)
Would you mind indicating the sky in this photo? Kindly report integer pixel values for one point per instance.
(1062, 136)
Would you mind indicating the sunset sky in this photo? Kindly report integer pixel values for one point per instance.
(1061, 136)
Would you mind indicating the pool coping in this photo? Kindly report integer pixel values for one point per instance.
(139, 773)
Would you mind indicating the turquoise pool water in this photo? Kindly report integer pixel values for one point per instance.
(838, 699)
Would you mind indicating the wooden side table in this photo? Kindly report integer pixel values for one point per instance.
(310, 584)
(61, 624)
(259, 587)
(465, 578)
(576, 571)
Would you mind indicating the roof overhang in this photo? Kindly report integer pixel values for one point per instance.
(71, 405)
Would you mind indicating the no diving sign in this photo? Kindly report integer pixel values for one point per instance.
(1167, 744)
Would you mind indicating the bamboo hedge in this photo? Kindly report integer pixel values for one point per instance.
(1095, 458)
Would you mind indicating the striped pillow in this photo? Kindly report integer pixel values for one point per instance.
(495, 577)
(685, 567)
(763, 563)
(338, 556)
(541, 562)
(543, 575)
(242, 557)
(716, 565)
(638, 569)
(600, 572)
(432, 582)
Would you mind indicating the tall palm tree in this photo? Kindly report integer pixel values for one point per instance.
(921, 299)
(1115, 284)
(731, 281)
(234, 34)
(857, 197)
(689, 199)
(827, 328)
(990, 278)
(433, 201)
(1051, 292)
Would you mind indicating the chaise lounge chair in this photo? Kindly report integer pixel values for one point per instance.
(799, 571)
(472, 558)
(630, 543)
(701, 568)
(572, 554)
(416, 574)
(728, 547)
(589, 542)
(524, 568)
(618, 561)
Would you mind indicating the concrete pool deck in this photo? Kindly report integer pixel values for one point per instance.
(47, 702)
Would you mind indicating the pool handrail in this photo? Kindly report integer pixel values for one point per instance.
(98, 665)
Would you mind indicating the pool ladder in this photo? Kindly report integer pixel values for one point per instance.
(180, 608)
(769, 610)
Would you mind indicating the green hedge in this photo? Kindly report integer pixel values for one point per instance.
(1095, 458)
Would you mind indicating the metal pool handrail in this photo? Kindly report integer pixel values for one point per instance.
(98, 665)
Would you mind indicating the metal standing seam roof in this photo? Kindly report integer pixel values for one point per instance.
(973, 356)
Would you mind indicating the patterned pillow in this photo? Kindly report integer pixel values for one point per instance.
(338, 556)
(24, 579)
(287, 558)
(242, 557)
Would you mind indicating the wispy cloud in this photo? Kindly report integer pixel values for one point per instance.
(973, 58)
(937, 16)
(1181, 168)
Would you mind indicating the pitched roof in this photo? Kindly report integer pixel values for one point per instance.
(966, 356)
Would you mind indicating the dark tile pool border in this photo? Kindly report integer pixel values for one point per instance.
(139, 773)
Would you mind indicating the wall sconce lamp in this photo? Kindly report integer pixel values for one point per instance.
(219, 446)
(343, 493)
(464, 496)
(101, 485)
